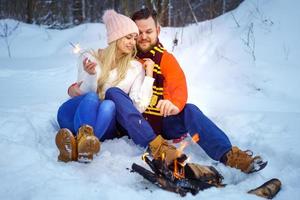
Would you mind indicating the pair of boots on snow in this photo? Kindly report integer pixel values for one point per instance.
(83, 147)
(86, 144)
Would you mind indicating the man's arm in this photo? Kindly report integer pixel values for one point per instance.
(175, 87)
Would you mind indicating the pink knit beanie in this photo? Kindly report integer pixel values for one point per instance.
(117, 25)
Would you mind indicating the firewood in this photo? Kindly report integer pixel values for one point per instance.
(164, 176)
(158, 180)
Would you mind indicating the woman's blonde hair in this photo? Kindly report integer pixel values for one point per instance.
(107, 60)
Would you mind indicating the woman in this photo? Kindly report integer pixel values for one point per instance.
(88, 111)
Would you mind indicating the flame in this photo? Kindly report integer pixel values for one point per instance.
(163, 156)
(178, 173)
(144, 155)
(76, 49)
(196, 138)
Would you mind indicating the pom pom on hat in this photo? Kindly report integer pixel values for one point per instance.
(118, 25)
(108, 14)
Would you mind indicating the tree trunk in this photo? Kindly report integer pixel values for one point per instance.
(29, 12)
(77, 12)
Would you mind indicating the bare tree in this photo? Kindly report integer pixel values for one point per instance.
(29, 12)
(191, 9)
(170, 6)
(224, 6)
(65, 13)
(164, 14)
(250, 41)
(6, 32)
(77, 8)
(235, 20)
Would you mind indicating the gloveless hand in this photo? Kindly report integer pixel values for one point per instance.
(149, 66)
(89, 66)
(167, 108)
(74, 90)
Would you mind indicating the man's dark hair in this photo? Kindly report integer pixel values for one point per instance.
(145, 13)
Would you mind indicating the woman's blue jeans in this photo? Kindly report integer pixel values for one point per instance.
(88, 109)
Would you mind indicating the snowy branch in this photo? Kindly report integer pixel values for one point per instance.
(7, 31)
(250, 41)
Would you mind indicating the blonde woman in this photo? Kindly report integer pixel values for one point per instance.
(88, 115)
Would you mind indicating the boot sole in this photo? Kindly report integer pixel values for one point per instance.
(267, 190)
(87, 148)
(259, 167)
(66, 143)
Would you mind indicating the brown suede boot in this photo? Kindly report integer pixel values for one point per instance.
(244, 160)
(161, 149)
(87, 144)
(267, 190)
(66, 143)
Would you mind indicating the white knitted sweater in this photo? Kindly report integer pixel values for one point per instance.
(135, 83)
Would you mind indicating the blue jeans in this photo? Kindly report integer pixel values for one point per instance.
(88, 109)
(129, 118)
(190, 120)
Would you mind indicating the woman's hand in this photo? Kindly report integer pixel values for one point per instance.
(149, 66)
(74, 89)
(89, 66)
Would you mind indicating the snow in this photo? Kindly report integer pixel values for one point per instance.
(256, 102)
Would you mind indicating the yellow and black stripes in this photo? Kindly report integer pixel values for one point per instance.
(157, 69)
(157, 94)
(152, 114)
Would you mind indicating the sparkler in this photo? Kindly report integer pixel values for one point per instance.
(76, 48)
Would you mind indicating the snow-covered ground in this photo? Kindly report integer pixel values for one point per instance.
(242, 70)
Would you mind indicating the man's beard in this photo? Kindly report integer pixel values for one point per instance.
(146, 50)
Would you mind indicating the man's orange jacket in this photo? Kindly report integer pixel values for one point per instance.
(175, 87)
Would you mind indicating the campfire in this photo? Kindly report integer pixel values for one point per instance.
(179, 177)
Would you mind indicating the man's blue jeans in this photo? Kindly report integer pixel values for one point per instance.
(190, 120)
(88, 109)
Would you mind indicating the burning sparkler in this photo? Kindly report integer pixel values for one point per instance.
(76, 48)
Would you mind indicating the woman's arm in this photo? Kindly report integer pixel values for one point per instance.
(141, 89)
(88, 71)
(87, 76)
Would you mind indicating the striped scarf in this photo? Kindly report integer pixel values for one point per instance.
(152, 114)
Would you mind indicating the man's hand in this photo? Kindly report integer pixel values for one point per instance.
(89, 66)
(74, 90)
(167, 108)
(149, 66)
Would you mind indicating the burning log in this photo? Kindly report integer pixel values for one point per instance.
(207, 174)
(158, 180)
(179, 178)
(191, 177)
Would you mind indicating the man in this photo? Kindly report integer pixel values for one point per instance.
(168, 115)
